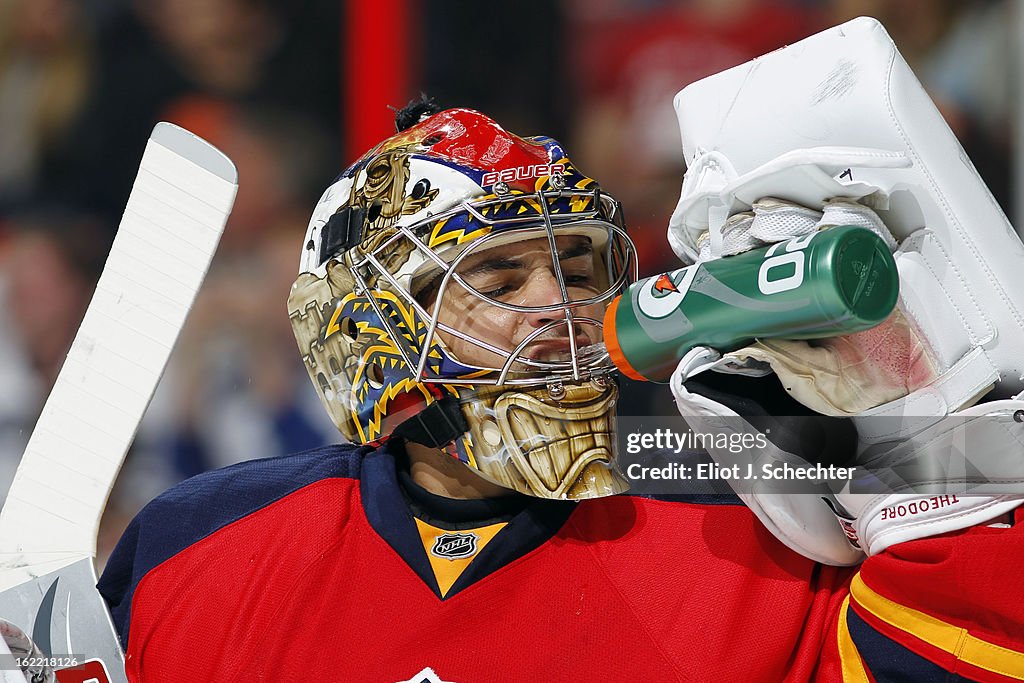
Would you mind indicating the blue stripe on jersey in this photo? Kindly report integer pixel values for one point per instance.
(890, 662)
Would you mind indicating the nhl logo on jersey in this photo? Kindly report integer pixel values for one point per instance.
(455, 545)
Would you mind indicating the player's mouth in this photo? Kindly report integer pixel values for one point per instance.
(556, 349)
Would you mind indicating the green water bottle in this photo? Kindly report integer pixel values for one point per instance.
(831, 282)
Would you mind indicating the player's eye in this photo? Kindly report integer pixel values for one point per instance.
(496, 285)
(579, 280)
(497, 293)
(579, 272)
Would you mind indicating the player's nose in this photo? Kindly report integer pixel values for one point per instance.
(543, 289)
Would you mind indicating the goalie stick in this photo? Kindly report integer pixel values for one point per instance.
(170, 229)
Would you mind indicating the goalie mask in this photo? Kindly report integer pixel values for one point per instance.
(451, 289)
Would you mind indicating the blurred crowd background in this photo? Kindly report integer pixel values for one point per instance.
(82, 82)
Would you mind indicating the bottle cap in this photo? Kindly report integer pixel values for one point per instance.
(866, 276)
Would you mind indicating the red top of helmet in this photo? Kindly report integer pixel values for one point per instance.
(470, 139)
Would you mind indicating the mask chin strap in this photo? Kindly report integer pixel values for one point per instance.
(436, 426)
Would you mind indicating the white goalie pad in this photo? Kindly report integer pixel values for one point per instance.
(840, 114)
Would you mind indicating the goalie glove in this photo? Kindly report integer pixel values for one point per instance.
(905, 457)
(840, 114)
(904, 461)
(909, 462)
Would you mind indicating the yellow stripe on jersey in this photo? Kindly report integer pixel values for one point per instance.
(937, 633)
(450, 552)
(849, 657)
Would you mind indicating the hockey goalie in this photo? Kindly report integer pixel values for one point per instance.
(476, 526)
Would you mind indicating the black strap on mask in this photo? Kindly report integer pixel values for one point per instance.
(436, 426)
(342, 231)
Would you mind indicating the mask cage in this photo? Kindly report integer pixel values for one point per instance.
(590, 212)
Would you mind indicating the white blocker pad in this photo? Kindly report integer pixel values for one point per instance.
(840, 114)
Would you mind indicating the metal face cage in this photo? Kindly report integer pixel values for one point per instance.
(500, 220)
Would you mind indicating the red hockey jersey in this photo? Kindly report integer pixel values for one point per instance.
(312, 567)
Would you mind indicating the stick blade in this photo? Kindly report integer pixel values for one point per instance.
(171, 226)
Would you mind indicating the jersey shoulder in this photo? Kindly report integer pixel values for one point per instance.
(199, 507)
(202, 504)
(253, 483)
